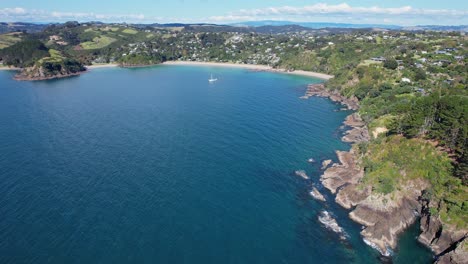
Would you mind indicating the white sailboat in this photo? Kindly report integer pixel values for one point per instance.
(211, 79)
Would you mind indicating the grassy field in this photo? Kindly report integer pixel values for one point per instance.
(369, 62)
(129, 31)
(97, 43)
(9, 39)
(113, 29)
(55, 56)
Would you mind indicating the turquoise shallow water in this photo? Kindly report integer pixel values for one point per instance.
(156, 165)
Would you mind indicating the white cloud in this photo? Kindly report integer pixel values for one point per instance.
(345, 13)
(344, 8)
(24, 15)
(321, 12)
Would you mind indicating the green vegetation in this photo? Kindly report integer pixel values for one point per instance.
(129, 31)
(140, 59)
(391, 64)
(24, 53)
(9, 39)
(391, 162)
(97, 43)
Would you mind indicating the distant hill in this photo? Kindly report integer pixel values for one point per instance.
(463, 28)
(265, 26)
(321, 25)
(314, 25)
(21, 26)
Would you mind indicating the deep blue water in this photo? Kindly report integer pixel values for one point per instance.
(156, 165)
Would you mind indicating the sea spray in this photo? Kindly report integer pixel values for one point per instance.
(317, 195)
(330, 223)
(301, 173)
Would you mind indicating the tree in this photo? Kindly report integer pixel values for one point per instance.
(420, 75)
(391, 64)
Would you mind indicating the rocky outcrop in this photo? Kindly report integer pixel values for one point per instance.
(326, 163)
(320, 90)
(447, 242)
(384, 217)
(302, 174)
(343, 173)
(351, 195)
(457, 256)
(358, 132)
(347, 172)
(317, 195)
(37, 73)
(330, 223)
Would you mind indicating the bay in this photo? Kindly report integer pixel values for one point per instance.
(156, 165)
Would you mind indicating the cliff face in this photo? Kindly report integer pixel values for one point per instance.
(448, 243)
(384, 216)
(459, 255)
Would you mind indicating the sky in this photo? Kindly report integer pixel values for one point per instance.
(395, 12)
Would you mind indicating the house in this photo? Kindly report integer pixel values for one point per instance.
(405, 80)
(54, 37)
(378, 59)
(421, 91)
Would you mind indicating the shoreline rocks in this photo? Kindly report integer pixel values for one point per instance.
(302, 174)
(320, 91)
(343, 173)
(448, 244)
(39, 73)
(326, 163)
(330, 223)
(317, 195)
(384, 217)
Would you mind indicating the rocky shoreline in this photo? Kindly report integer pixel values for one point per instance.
(383, 217)
(40, 73)
(320, 91)
(23, 77)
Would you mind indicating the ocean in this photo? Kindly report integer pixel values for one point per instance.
(157, 165)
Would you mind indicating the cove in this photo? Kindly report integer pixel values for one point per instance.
(156, 165)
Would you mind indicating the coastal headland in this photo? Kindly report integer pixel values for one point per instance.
(383, 216)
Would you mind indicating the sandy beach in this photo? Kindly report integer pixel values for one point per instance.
(251, 67)
(5, 68)
(215, 64)
(104, 65)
